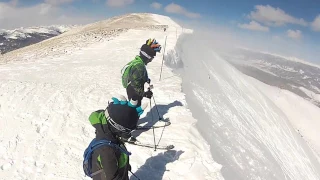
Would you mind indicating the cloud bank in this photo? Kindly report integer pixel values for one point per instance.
(177, 9)
(40, 14)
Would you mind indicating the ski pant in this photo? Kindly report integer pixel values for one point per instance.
(133, 95)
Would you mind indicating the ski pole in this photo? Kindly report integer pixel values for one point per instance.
(154, 140)
(155, 104)
(154, 137)
(134, 175)
(163, 57)
(149, 88)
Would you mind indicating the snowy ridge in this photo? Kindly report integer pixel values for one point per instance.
(81, 37)
(51, 98)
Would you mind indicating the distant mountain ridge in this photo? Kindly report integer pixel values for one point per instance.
(297, 76)
(14, 39)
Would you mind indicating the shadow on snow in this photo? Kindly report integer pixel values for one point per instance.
(155, 167)
(152, 116)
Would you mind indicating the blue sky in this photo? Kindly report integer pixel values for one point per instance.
(294, 23)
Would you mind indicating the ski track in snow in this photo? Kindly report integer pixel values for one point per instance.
(45, 104)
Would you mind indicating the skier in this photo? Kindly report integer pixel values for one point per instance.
(111, 161)
(135, 75)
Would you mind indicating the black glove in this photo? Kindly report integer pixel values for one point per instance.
(148, 81)
(129, 139)
(148, 94)
(132, 139)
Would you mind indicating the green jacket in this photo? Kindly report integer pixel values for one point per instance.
(137, 75)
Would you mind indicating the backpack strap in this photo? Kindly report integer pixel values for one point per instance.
(97, 172)
(131, 63)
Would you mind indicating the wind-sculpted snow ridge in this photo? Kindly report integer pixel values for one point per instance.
(248, 134)
(83, 36)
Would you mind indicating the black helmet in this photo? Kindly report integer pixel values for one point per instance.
(123, 115)
(147, 53)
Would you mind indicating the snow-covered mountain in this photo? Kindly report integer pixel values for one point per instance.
(223, 125)
(18, 38)
(299, 77)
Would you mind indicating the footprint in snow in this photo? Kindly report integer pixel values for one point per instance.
(42, 128)
(39, 164)
(6, 166)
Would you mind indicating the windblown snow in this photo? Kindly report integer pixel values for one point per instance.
(45, 101)
(250, 132)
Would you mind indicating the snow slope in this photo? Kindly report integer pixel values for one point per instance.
(46, 98)
(248, 134)
(312, 95)
(303, 115)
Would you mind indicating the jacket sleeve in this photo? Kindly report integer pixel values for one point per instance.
(138, 78)
(109, 162)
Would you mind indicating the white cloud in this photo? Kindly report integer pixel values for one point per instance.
(58, 2)
(14, 2)
(177, 9)
(294, 34)
(276, 38)
(46, 9)
(274, 16)
(316, 23)
(156, 5)
(118, 3)
(255, 26)
(40, 14)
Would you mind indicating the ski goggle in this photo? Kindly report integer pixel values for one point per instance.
(119, 127)
(151, 42)
(157, 49)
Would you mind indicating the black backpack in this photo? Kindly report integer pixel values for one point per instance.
(95, 144)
